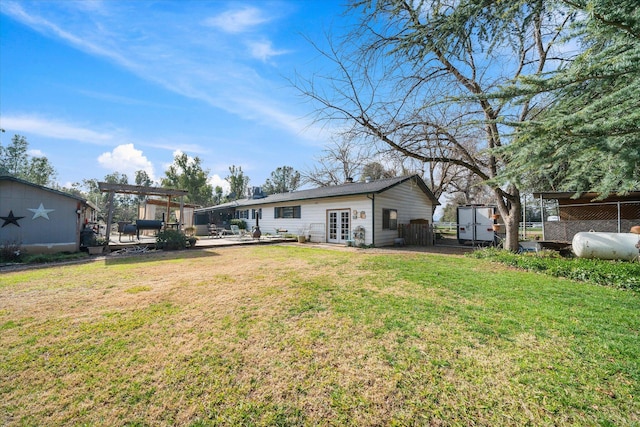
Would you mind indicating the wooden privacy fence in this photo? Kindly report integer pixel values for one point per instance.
(417, 234)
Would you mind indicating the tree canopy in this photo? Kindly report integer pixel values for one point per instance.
(588, 137)
(282, 180)
(16, 161)
(374, 171)
(238, 183)
(187, 174)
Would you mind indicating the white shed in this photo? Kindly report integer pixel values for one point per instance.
(367, 213)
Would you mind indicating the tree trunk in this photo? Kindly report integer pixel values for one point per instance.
(510, 209)
(512, 228)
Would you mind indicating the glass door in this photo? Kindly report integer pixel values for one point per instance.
(339, 226)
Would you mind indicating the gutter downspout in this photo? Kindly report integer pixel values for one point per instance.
(373, 218)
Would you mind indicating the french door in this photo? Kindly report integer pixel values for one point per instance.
(339, 226)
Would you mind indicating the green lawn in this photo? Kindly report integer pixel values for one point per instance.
(288, 335)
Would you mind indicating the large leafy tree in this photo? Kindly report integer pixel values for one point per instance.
(14, 156)
(238, 183)
(16, 161)
(40, 171)
(186, 173)
(282, 180)
(90, 190)
(124, 205)
(588, 138)
(418, 77)
(142, 178)
(218, 192)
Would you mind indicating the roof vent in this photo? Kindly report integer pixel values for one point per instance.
(257, 193)
(349, 180)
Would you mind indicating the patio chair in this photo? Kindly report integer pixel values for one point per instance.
(239, 233)
(214, 231)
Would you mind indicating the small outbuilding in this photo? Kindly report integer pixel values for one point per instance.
(362, 213)
(40, 219)
(564, 215)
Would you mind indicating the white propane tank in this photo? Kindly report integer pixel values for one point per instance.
(605, 245)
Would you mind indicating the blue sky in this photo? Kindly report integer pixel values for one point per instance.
(99, 86)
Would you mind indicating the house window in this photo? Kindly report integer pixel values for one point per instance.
(256, 213)
(244, 214)
(201, 218)
(287, 212)
(389, 219)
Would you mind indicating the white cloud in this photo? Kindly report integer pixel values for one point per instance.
(54, 129)
(126, 159)
(217, 181)
(238, 21)
(263, 50)
(36, 153)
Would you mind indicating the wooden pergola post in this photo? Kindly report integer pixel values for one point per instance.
(109, 215)
(166, 221)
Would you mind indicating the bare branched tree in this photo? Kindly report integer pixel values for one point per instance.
(418, 76)
(341, 160)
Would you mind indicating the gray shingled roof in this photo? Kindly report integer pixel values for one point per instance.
(349, 189)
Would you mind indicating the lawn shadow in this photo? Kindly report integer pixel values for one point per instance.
(134, 258)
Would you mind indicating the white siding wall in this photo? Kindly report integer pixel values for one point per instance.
(315, 212)
(410, 202)
(407, 198)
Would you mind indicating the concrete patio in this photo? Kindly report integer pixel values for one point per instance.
(203, 241)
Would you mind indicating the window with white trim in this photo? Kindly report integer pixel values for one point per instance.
(287, 212)
(256, 213)
(389, 219)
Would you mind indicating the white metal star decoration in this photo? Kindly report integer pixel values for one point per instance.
(41, 212)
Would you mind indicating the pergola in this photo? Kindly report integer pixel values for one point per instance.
(140, 190)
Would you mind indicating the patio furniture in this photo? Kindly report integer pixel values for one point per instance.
(127, 229)
(214, 231)
(239, 233)
(280, 232)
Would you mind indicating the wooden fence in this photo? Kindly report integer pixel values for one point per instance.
(417, 234)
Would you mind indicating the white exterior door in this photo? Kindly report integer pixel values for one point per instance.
(338, 226)
(475, 224)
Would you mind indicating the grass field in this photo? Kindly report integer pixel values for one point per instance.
(290, 335)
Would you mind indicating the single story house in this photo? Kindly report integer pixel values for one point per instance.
(367, 213)
(40, 219)
(564, 215)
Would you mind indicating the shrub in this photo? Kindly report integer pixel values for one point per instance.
(98, 241)
(241, 223)
(620, 274)
(49, 258)
(171, 240)
(10, 252)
